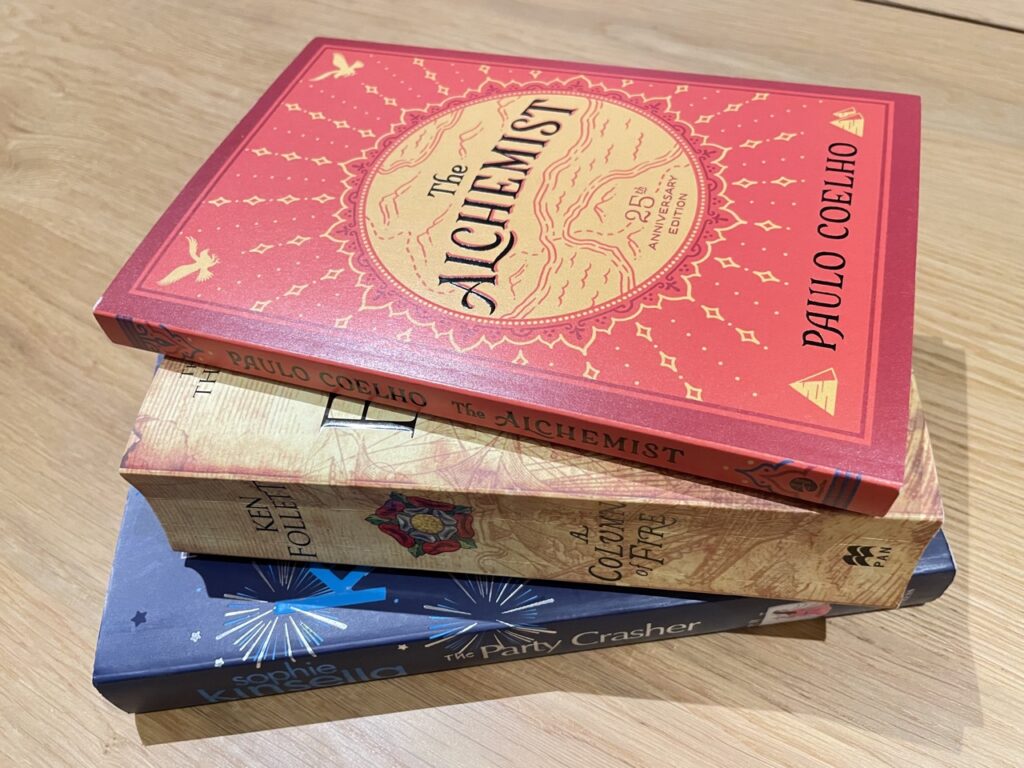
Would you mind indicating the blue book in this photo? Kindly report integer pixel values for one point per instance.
(180, 630)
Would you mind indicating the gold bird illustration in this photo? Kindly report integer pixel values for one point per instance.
(341, 68)
(202, 262)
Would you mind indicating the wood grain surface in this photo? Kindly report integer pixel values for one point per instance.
(106, 108)
(1003, 14)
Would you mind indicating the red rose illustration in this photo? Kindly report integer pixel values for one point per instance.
(437, 547)
(398, 535)
(464, 525)
(390, 508)
(419, 501)
(424, 526)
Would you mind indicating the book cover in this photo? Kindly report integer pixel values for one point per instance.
(179, 630)
(235, 465)
(709, 275)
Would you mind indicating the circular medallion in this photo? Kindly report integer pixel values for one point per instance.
(533, 207)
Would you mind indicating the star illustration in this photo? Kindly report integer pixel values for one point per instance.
(750, 143)
(733, 108)
(318, 115)
(293, 107)
(767, 225)
(727, 262)
(261, 152)
(219, 201)
(693, 393)
(403, 647)
(711, 313)
(288, 199)
(785, 136)
(138, 618)
(667, 361)
(744, 183)
(298, 240)
(196, 636)
(783, 181)
(747, 336)
(766, 276)
(591, 372)
(643, 331)
(761, 96)
(219, 662)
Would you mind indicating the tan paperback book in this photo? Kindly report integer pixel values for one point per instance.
(245, 467)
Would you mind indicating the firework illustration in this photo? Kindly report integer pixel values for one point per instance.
(286, 607)
(480, 602)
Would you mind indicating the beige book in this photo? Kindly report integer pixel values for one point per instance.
(239, 466)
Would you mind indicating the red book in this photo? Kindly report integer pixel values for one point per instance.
(705, 274)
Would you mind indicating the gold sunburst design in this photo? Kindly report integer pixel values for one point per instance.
(581, 247)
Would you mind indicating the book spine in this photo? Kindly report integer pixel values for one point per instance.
(166, 688)
(828, 486)
(785, 554)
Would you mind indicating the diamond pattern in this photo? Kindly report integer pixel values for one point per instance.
(747, 336)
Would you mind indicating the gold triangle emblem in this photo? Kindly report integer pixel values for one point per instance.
(850, 120)
(820, 388)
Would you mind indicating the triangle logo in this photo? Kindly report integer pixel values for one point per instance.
(850, 120)
(820, 388)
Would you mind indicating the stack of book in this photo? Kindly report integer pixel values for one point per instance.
(474, 358)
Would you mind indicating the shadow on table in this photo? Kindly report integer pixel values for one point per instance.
(715, 670)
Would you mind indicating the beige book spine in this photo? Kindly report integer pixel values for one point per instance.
(834, 557)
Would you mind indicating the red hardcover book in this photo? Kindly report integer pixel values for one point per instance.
(705, 274)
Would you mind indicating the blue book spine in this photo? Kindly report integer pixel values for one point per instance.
(179, 631)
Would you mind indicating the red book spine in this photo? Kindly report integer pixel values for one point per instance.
(830, 486)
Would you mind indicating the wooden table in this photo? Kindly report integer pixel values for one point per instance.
(106, 108)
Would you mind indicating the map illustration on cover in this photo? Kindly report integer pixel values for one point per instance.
(704, 274)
